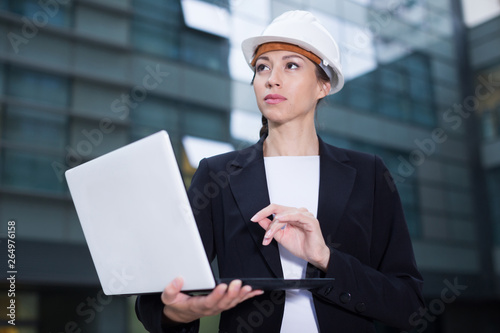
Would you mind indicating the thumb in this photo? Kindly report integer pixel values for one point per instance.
(171, 291)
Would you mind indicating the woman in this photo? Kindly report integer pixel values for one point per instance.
(334, 213)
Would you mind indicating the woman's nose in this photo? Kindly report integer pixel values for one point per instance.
(274, 79)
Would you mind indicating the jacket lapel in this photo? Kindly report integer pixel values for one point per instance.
(249, 186)
(336, 183)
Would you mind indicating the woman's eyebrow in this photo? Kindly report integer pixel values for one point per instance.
(262, 58)
(286, 57)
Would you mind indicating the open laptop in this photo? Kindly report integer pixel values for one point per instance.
(139, 226)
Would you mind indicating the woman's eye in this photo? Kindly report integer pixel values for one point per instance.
(292, 65)
(261, 67)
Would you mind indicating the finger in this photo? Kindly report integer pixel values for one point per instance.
(234, 291)
(247, 292)
(234, 288)
(172, 290)
(239, 294)
(267, 211)
(253, 293)
(216, 295)
(233, 294)
(296, 218)
(209, 305)
(274, 227)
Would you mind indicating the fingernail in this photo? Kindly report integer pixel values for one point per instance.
(223, 289)
(253, 218)
(268, 234)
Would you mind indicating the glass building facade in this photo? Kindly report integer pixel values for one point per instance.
(81, 78)
(485, 66)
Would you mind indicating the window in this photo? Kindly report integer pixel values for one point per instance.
(401, 90)
(205, 51)
(2, 75)
(489, 107)
(491, 123)
(161, 11)
(30, 171)
(392, 79)
(362, 98)
(34, 127)
(423, 114)
(420, 89)
(160, 39)
(53, 13)
(33, 138)
(493, 180)
(156, 113)
(417, 65)
(38, 87)
(220, 3)
(389, 104)
(156, 26)
(209, 124)
(159, 29)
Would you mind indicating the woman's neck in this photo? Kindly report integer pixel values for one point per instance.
(283, 141)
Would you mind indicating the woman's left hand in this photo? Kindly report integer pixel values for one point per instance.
(297, 230)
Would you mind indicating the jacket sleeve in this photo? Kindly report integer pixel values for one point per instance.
(388, 288)
(149, 308)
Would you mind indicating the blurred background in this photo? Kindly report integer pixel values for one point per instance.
(81, 78)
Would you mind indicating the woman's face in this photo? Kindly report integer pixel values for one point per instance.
(286, 87)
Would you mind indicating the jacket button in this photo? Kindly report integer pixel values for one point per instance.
(360, 307)
(328, 290)
(345, 298)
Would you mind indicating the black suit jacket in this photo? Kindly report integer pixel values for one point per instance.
(361, 219)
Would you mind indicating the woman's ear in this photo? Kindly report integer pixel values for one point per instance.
(325, 89)
(327, 86)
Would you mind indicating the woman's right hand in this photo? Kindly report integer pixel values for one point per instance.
(182, 308)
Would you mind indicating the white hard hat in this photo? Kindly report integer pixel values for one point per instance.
(302, 29)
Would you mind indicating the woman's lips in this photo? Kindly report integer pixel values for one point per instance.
(274, 99)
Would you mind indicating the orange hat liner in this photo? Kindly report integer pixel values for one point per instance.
(280, 46)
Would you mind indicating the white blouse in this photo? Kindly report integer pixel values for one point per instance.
(294, 181)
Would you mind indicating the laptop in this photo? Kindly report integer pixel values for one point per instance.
(139, 226)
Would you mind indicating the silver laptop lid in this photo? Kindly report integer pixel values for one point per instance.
(137, 221)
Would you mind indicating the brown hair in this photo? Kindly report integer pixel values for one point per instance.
(320, 75)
